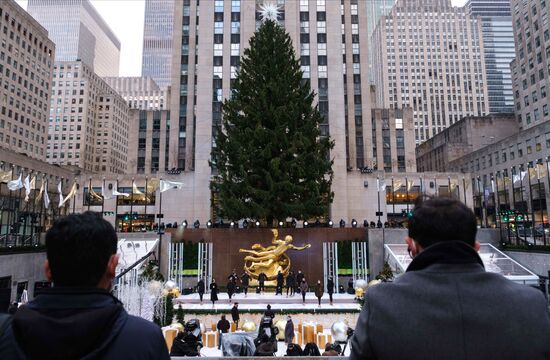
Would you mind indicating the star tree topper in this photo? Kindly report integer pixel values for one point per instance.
(269, 11)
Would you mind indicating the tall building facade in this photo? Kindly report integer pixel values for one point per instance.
(88, 121)
(531, 67)
(26, 66)
(211, 37)
(499, 51)
(375, 10)
(157, 40)
(429, 55)
(141, 93)
(79, 33)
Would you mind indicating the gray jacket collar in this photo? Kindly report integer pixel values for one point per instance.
(445, 252)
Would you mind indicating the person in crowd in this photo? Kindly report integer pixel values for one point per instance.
(213, 292)
(262, 277)
(293, 350)
(351, 289)
(200, 288)
(223, 328)
(290, 283)
(299, 277)
(268, 312)
(245, 281)
(235, 314)
(319, 291)
(78, 318)
(311, 349)
(330, 288)
(230, 288)
(446, 304)
(280, 282)
(303, 289)
(289, 330)
(330, 351)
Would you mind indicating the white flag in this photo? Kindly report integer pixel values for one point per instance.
(103, 192)
(69, 195)
(15, 184)
(60, 191)
(493, 186)
(166, 185)
(27, 185)
(46, 197)
(410, 184)
(380, 185)
(135, 189)
(116, 193)
(396, 185)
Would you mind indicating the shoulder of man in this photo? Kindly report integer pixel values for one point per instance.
(7, 342)
(144, 337)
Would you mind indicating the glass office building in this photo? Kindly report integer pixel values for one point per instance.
(498, 39)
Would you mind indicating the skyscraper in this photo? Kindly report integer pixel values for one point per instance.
(157, 41)
(429, 55)
(333, 53)
(26, 66)
(79, 33)
(498, 43)
(375, 10)
(530, 69)
(88, 121)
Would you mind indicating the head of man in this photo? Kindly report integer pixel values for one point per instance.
(438, 220)
(81, 251)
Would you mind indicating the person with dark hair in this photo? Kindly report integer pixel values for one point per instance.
(245, 280)
(78, 317)
(262, 277)
(319, 291)
(311, 349)
(290, 283)
(235, 314)
(280, 282)
(289, 330)
(330, 351)
(293, 350)
(223, 327)
(230, 288)
(330, 288)
(200, 288)
(446, 304)
(213, 292)
(303, 289)
(269, 312)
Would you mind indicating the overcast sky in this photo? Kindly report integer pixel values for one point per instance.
(125, 17)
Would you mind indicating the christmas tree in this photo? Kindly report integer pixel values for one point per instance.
(271, 161)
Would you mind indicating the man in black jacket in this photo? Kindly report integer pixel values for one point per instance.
(78, 318)
(245, 280)
(280, 282)
(446, 306)
(200, 288)
(261, 282)
(290, 283)
(235, 314)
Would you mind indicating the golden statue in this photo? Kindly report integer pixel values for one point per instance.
(270, 260)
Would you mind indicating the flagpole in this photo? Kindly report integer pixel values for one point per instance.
(160, 231)
(496, 198)
(540, 204)
(131, 206)
(103, 198)
(436, 187)
(74, 196)
(464, 190)
(116, 207)
(407, 192)
(393, 197)
(521, 190)
(89, 193)
(10, 210)
(378, 192)
(26, 212)
(145, 215)
(33, 214)
(532, 201)
(17, 212)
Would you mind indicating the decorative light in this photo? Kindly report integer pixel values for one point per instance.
(342, 223)
(257, 223)
(209, 224)
(354, 223)
(306, 223)
(281, 224)
(232, 224)
(197, 224)
(330, 223)
(269, 11)
(245, 224)
(184, 224)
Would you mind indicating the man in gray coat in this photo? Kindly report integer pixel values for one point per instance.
(446, 306)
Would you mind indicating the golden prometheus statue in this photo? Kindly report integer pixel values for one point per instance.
(270, 260)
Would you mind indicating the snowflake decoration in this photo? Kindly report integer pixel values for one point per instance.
(269, 11)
